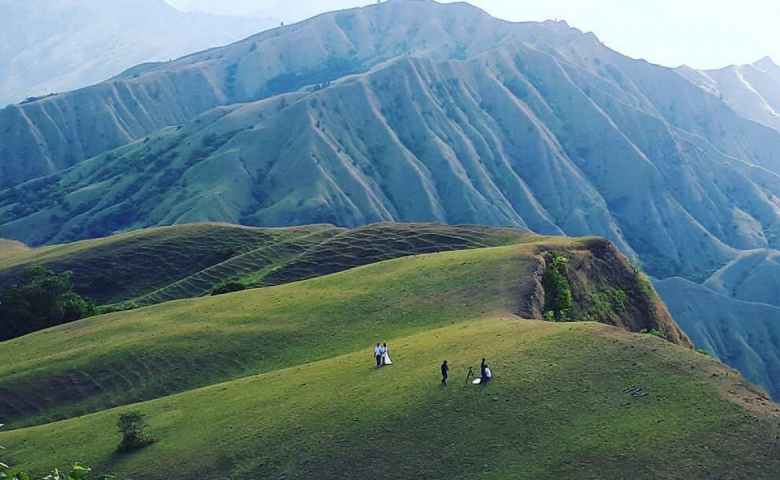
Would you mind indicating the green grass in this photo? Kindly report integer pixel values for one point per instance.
(557, 409)
(278, 382)
(132, 356)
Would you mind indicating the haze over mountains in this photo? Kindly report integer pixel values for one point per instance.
(417, 111)
(49, 46)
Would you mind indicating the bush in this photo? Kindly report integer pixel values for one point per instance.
(557, 290)
(228, 287)
(654, 332)
(132, 426)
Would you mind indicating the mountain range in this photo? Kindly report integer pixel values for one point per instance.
(411, 110)
(49, 46)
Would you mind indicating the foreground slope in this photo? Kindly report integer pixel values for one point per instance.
(138, 355)
(584, 401)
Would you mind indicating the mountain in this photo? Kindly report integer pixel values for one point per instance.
(264, 375)
(751, 90)
(49, 46)
(44, 136)
(531, 125)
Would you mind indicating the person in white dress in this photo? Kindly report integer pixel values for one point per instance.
(386, 355)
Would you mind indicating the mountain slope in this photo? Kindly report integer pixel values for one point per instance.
(568, 400)
(742, 334)
(754, 276)
(751, 90)
(511, 137)
(50, 46)
(44, 136)
(191, 343)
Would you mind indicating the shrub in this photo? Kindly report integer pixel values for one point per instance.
(653, 332)
(557, 290)
(132, 426)
(228, 287)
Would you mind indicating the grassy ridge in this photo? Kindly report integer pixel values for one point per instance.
(132, 356)
(126, 266)
(162, 264)
(551, 413)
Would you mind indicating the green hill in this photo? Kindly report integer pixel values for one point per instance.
(278, 382)
(132, 356)
(125, 266)
(157, 265)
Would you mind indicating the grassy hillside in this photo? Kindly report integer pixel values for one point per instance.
(278, 382)
(126, 266)
(560, 407)
(147, 353)
(156, 265)
(11, 248)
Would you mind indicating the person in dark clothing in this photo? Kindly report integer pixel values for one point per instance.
(445, 373)
(378, 354)
(483, 371)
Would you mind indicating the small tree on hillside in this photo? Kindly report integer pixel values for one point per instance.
(132, 426)
(43, 299)
(557, 290)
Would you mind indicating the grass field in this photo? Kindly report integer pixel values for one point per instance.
(278, 382)
(558, 408)
(131, 356)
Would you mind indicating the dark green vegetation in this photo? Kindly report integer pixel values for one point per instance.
(157, 265)
(42, 299)
(558, 299)
(132, 427)
(278, 381)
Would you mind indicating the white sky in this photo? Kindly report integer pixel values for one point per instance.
(700, 33)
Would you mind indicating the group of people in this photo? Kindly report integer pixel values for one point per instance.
(382, 355)
(485, 373)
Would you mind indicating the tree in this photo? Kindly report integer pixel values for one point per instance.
(42, 300)
(132, 426)
(557, 290)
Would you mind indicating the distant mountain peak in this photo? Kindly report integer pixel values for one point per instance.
(765, 63)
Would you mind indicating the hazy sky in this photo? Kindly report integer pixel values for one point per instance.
(700, 33)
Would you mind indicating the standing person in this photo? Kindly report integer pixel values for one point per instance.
(483, 371)
(445, 373)
(386, 355)
(378, 354)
